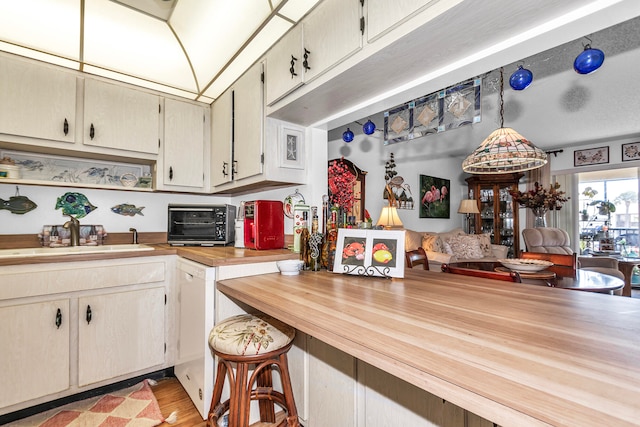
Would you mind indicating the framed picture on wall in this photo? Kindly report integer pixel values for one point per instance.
(291, 148)
(434, 197)
(631, 151)
(591, 156)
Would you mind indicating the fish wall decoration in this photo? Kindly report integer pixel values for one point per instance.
(75, 204)
(18, 204)
(127, 209)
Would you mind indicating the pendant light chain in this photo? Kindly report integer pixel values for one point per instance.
(501, 97)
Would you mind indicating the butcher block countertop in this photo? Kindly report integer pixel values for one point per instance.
(515, 354)
(210, 256)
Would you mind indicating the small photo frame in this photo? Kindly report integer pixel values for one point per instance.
(631, 151)
(291, 148)
(591, 156)
(370, 252)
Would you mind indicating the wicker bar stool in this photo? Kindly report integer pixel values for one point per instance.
(244, 341)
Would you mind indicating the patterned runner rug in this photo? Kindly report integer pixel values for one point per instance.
(135, 406)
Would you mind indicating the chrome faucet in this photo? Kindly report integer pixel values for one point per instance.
(74, 227)
(135, 235)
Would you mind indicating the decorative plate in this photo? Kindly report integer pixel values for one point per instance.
(525, 265)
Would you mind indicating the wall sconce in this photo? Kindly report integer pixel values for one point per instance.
(521, 78)
(589, 60)
(369, 127)
(347, 135)
(468, 207)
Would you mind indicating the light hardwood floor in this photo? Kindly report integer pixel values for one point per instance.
(172, 397)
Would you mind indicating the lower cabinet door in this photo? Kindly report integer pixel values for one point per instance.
(34, 355)
(120, 333)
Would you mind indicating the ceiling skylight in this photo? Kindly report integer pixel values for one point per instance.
(190, 48)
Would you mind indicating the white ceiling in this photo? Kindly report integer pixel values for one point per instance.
(190, 48)
(197, 48)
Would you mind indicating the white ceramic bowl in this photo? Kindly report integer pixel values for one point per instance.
(525, 265)
(289, 267)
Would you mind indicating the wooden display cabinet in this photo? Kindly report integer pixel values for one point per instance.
(498, 215)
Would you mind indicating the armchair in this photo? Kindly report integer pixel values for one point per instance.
(551, 240)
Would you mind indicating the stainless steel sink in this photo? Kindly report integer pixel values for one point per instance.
(70, 250)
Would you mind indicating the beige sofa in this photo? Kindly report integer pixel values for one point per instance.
(454, 246)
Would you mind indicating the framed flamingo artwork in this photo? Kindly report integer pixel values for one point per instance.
(435, 201)
(370, 252)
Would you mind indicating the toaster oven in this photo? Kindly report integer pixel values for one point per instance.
(201, 225)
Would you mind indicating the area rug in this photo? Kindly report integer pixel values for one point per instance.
(135, 406)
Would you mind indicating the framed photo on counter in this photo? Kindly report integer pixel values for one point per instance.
(370, 252)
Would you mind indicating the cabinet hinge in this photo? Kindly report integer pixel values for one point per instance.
(262, 158)
(362, 25)
(159, 108)
(158, 142)
(165, 299)
(262, 77)
(362, 3)
(165, 348)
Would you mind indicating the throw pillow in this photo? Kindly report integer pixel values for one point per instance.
(485, 243)
(465, 247)
(432, 242)
(412, 240)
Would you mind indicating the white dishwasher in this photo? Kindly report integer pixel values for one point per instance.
(195, 365)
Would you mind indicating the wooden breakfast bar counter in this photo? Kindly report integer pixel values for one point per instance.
(515, 354)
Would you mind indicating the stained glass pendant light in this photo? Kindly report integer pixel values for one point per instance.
(505, 150)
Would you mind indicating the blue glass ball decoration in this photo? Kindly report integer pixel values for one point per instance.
(521, 78)
(369, 127)
(589, 60)
(347, 135)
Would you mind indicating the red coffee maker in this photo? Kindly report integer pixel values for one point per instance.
(264, 224)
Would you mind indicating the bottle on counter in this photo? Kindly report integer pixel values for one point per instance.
(305, 255)
(315, 241)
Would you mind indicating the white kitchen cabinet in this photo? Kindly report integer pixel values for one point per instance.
(284, 70)
(238, 129)
(37, 101)
(124, 328)
(183, 155)
(328, 35)
(384, 15)
(248, 118)
(35, 350)
(221, 134)
(120, 118)
(129, 326)
(332, 33)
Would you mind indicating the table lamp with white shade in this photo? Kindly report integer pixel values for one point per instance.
(468, 207)
(389, 217)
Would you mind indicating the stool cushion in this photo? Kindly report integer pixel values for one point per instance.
(250, 334)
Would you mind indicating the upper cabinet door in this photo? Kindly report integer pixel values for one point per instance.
(331, 34)
(121, 118)
(284, 65)
(384, 15)
(37, 101)
(248, 123)
(183, 154)
(221, 131)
